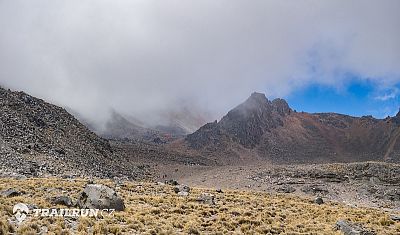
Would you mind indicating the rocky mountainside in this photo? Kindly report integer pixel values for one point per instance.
(171, 125)
(120, 128)
(259, 129)
(125, 129)
(184, 120)
(39, 138)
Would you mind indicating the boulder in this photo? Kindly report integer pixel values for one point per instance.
(286, 189)
(348, 228)
(62, 200)
(98, 196)
(392, 194)
(10, 193)
(206, 198)
(181, 188)
(319, 201)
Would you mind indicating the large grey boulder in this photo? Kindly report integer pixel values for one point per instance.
(98, 196)
(348, 228)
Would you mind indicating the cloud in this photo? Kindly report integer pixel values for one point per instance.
(388, 96)
(142, 57)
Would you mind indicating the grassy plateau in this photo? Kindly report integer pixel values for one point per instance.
(153, 208)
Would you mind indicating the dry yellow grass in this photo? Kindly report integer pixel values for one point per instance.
(156, 209)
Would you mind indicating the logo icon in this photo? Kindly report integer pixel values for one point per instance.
(20, 211)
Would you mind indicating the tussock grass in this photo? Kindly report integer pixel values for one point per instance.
(156, 209)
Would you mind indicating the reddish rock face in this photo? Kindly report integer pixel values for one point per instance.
(261, 129)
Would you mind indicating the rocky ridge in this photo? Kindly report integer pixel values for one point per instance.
(259, 129)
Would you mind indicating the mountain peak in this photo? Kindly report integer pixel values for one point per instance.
(255, 102)
(258, 97)
(247, 122)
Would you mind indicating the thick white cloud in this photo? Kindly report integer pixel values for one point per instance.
(143, 56)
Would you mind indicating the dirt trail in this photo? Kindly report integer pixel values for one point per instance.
(392, 142)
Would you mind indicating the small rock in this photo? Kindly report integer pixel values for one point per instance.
(314, 189)
(10, 193)
(62, 200)
(20, 177)
(351, 229)
(172, 182)
(374, 180)
(286, 189)
(219, 190)
(395, 217)
(183, 194)
(206, 198)
(319, 201)
(44, 230)
(32, 206)
(71, 223)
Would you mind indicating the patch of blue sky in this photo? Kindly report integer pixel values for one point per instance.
(357, 97)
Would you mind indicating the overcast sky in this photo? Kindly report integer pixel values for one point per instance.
(143, 56)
